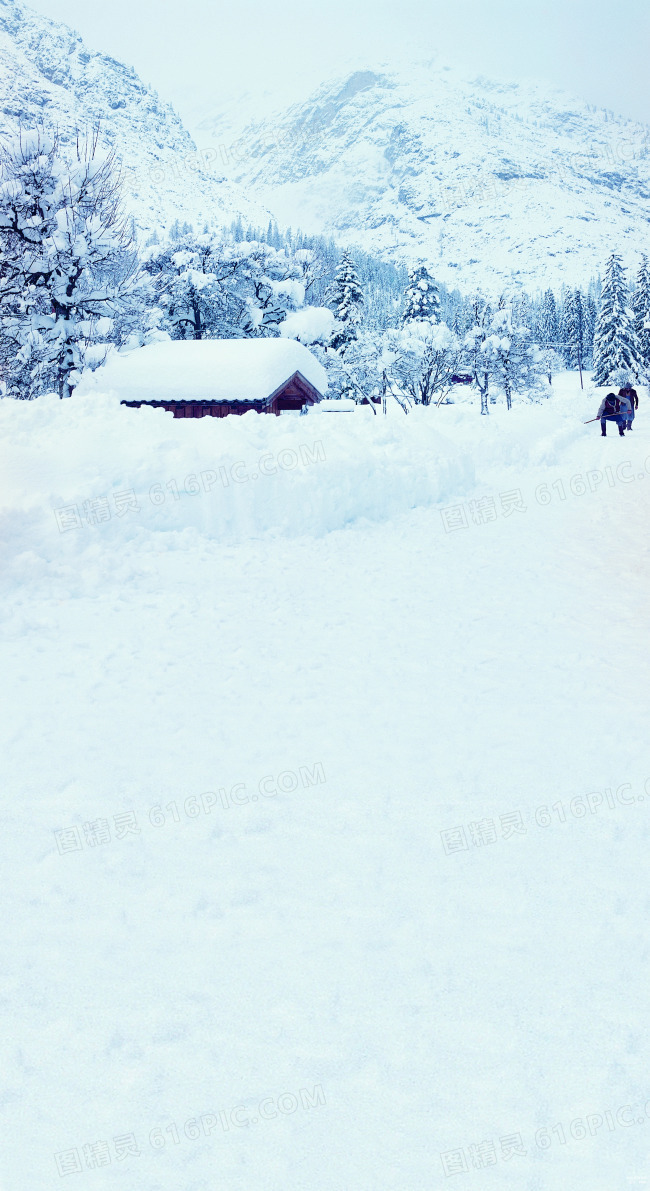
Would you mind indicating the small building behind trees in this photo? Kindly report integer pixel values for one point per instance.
(214, 377)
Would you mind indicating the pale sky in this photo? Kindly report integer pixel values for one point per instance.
(213, 51)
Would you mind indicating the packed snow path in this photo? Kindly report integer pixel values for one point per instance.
(387, 924)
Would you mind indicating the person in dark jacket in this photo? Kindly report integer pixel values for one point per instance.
(633, 398)
(610, 411)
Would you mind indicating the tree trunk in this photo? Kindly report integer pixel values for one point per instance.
(196, 311)
(66, 354)
(484, 392)
(508, 392)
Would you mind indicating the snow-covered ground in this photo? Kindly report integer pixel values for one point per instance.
(288, 909)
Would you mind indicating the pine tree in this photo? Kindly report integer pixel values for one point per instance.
(562, 325)
(346, 299)
(422, 298)
(574, 328)
(522, 310)
(548, 324)
(615, 342)
(641, 308)
(590, 315)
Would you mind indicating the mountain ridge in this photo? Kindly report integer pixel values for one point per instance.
(48, 75)
(477, 177)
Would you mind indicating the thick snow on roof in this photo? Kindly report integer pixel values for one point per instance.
(205, 370)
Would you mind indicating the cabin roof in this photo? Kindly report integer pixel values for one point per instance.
(209, 370)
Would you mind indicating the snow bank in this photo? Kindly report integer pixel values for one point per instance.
(344, 405)
(205, 370)
(89, 470)
(89, 466)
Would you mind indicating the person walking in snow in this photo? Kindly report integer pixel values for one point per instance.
(609, 411)
(633, 397)
(625, 410)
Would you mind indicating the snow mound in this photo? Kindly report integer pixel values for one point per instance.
(90, 470)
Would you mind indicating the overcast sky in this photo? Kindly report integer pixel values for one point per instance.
(212, 50)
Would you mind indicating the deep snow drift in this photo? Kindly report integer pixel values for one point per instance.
(328, 799)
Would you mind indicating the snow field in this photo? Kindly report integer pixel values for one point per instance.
(327, 936)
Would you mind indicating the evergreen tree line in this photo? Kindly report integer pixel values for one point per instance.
(563, 320)
(74, 285)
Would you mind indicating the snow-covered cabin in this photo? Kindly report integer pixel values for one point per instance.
(215, 377)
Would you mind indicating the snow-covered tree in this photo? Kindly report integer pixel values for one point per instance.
(574, 330)
(516, 357)
(615, 342)
(480, 348)
(208, 288)
(590, 314)
(312, 267)
(312, 325)
(273, 281)
(346, 301)
(550, 362)
(548, 322)
(421, 298)
(425, 357)
(641, 308)
(187, 287)
(67, 258)
(356, 372)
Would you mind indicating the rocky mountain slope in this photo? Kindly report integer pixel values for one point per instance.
(482, 179)
(48, 74)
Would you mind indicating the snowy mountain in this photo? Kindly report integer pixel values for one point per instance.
(482, 179)
(48, 74)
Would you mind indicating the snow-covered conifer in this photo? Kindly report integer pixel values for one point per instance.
(615, 341)
(548, 323)
(590, 315)
(641, 308)
(422, 300)
(346, 300)
(574, 330)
